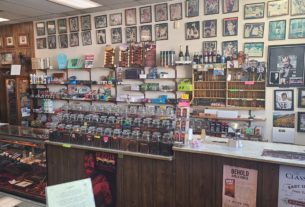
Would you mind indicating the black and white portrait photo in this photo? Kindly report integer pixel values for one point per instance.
(101, 36)
(115, 19)
(211, 7)
(52, 42)
(192, 30)
(86, 37)
(63, 41)
(51, 27)
(175, 11)
(85, 22)
(209, 46)
(230, 26)
(40, 28)
(146, 33)
(41, 43)
(287, 67)
(74, 39)
(131, 34)
(62, 26)
(283, 100)
(100, 21)
(161, 31)
(116, 35)
(274, 78)
(209, 28)
(74, 25)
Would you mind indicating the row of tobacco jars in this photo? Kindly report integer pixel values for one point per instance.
(136, 141)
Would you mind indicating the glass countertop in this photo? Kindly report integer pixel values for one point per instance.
(24, 132)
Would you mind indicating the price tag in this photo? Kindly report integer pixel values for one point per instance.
(97, 137)
(249, 83)
(66, 145)
(185, 96)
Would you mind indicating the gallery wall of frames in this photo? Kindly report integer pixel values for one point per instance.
(251, 25)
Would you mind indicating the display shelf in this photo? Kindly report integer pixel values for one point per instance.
(228, 108)
(67, 99)
(229, 119)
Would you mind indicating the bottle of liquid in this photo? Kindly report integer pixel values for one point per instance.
(187, 54)
(210, 57)
(181, 56)
(214, 56)
(218, 57)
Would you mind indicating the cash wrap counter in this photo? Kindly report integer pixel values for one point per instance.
(192, 177)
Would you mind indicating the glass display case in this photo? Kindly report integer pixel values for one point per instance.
(23, 161)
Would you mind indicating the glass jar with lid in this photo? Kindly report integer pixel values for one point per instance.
(154, 147)
(73, 119)
(166, 145)
(80, 119)
(66, 118)
(61, 129)
(167, 125)
(146, 124)
(111, 121)
(144, 142)
(75, 134)
(136, 124)
(124, 140)
(88, 119)
(95, 120)
(98, 137)
(66, 133)
(54, 134)
(133, 142)
(127, 122)
(103, 121)
(105, 142)
(90, 135)
(156, 125)
(115, 139)
(83, 131)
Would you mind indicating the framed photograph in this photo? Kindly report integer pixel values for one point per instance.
(283, 100)
(130, 17)
(209, 28)
(297, 7)
(145, 33)
(288, 61)
(52, 42)
(1, 42)
(230, 6)
(211, 7)
(297, 28)
(62, 26)
(301, 97)
(192, 8)
(278, 8)
(115, 19)
(254, 30)
(161, 31)
(175, 11)
(100, 21)
(209, 46)
(161, 12)
(230, 26)
(301, 121)
(85, 22)
(277, 30)
(9, 42)
(274, 78)
(145, 14)
(101, 36)
(229, 48)
(192, 30)
(131, 34)
(63, 41)
(86, 38)
(40, 29)
(6, 58)
(74, 39)
(73, 24)
(254, 49)
(254, 11)
(23, 40)
(51, 27)
(41, 43)
(116, 35)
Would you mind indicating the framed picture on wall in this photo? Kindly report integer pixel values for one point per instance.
(278, 8)
(277, 30)
(254, 49)
(254, 11)
(115, 19)
(288, 61)
(6, 58)
(254, 30)
(51, 27)
(297, 7)
(301, 97)
(85, 22)
(175, 11)
(192, 8)
(283, 100)
(145, 14)
(209, 28)
(161, 31)
(74, 39)
(209, 46)
(101, 36)
(52, 42)
(23, 40)
(230, 6)
(116, 35)
(230, 26)
(131, 34)
(86, 38)
(297, 28)
(211, 7)
(229, 48)
(161, 12)
(40, 28)
(100, 21)
(73, 24)
(301, 122)
(145, 33)
(9, 41)
(41, 43)
(63, 41)
(62, 26)
(192, 30)
(130, 17)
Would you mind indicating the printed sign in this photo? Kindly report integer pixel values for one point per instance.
(291, 187)
(239, 187)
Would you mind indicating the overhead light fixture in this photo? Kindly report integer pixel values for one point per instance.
(77, 4)
(3, 20)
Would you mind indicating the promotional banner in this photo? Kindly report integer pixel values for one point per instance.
(239, 187)
(101, 168)
(291, 187)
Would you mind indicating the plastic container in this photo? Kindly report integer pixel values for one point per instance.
(144, 142)
(166, 145)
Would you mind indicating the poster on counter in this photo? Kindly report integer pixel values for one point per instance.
(291, 187)
(101, 168)
(239, 187)
(283, 127)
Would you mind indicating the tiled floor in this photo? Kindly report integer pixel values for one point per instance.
(25, 202)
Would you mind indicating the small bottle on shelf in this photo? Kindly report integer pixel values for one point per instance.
(187, 54)
(181, 56)
(218, 57)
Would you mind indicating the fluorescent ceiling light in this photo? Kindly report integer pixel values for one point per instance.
(77, 4)
(3, 20)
